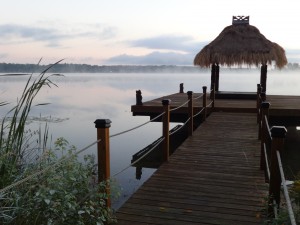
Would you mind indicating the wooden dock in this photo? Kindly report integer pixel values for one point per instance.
(212, 178)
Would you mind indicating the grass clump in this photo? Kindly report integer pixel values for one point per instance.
(40, 185)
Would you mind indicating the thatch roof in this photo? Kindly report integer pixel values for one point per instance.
(241, 44)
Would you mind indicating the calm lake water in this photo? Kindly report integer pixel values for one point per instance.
(80, 99)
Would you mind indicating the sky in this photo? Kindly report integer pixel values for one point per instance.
(140, 32)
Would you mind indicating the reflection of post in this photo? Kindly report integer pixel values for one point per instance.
(166, 124)
(139, 97)
(138, 172)
(103, 126)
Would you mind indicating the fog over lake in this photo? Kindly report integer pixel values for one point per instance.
(82, 98)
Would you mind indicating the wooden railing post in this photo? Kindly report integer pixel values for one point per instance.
(103, 126)
(181, 88)
(264, 111)
(264, 108)
(258, 101)
(278, 135)
(139, 97)
(204, 101)
(190, 113)
(166, 125)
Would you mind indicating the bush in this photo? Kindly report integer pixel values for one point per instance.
(58, 187)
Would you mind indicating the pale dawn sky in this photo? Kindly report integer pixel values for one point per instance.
(168, 32)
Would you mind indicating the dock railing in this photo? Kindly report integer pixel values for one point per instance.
(272, 145)
(103, 140)
(103, 149)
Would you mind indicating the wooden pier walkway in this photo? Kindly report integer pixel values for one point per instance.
(212, 178)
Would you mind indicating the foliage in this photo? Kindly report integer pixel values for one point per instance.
(283, 215)
(61, 189)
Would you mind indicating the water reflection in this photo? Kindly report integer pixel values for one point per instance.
(80, 99)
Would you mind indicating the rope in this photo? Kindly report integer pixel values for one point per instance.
(285, 191)
(197, 114)
(180, 106)
(139, 158)
(45, 169)
(126, 131)
(209, 104)
(198, 97)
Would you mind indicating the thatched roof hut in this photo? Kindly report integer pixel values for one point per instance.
(241, 44)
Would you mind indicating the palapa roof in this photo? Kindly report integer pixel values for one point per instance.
(241, 44)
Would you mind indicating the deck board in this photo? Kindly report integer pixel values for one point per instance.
(212, 178)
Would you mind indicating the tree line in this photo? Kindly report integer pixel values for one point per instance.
(86, 68)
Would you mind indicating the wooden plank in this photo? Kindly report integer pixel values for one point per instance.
(212, 178)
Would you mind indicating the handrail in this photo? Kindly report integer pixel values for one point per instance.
(102, 129)
(273, 170)
(285, 191)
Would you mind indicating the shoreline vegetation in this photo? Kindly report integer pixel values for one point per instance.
(85, 68)
(41, 184)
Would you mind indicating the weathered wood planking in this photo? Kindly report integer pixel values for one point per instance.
(212, 178)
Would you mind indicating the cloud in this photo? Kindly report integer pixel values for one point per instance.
(169, 42)
(53, 37)
(154, 58)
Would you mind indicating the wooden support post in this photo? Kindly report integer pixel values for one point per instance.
(190, 113)
(278, 136)
(264, 111)
(217, 77)
(139, 97)
(258, 101)
(204, 88)
(181, 88)
(103, 126)
(166, 125)
(262, 132)
(213, 77)
(263, 77)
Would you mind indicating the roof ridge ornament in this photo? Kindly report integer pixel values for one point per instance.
(240, 20)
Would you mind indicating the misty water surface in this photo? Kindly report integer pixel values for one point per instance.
(80, 99)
